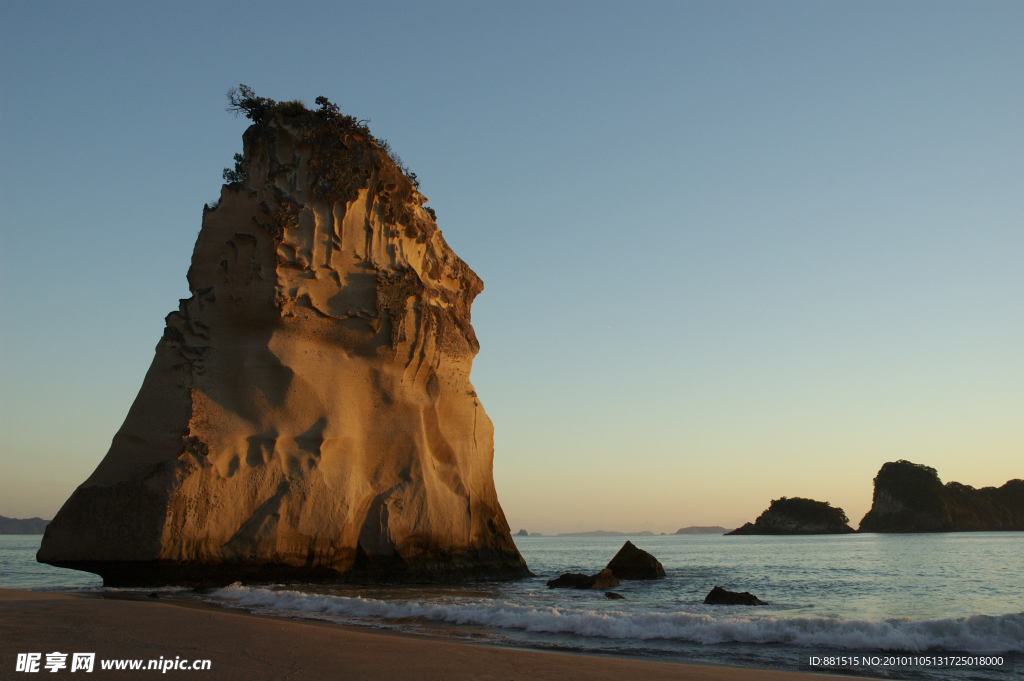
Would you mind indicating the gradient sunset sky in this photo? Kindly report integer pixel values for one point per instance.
(731, 250)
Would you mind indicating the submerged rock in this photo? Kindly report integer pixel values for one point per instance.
(910, 497)
(633, 563)
(308, 414)
(720, 596)
(798, 516)
(571, 580)
(574, 580)
(612, 596)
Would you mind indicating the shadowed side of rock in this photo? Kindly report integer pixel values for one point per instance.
(910, 497)
(308, 414)
(634, 563)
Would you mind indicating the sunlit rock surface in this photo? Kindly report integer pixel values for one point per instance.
(309, 413)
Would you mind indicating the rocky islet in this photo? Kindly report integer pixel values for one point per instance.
(797, 515)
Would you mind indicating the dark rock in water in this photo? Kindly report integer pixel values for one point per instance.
(612, 596)
(522, 533)
(571, 580)
(574, 580)
(720, 596)
(633, 563)
(798, 516)
(910, 497)
(154, 595)
(604, 579)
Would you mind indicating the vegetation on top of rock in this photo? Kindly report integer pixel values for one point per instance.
(910, 497)
(797, 515)
(344, 153)
(919, 486)
(238, 175)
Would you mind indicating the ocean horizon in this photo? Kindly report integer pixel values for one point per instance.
(906, 593)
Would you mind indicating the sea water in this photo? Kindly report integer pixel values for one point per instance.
(907, 593)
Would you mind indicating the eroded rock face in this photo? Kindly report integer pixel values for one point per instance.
(309, 413)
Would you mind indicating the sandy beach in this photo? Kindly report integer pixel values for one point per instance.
(243, 646)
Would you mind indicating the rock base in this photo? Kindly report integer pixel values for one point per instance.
(574, 580)
(453, 569)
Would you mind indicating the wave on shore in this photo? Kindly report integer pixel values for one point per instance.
(978, 633)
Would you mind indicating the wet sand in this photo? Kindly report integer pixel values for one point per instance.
(244, 646)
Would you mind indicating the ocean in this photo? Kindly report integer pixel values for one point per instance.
(879, 596)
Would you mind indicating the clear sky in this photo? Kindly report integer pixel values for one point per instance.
(732, 250)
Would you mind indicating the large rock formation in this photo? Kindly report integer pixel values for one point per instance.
(308, 414)
(797, 515)
(910, 497)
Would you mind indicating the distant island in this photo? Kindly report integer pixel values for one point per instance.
(702, 529)
(603, 533)
(910, 497)
(798, 516)
(22, 526)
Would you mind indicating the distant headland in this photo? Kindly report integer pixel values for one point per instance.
(702, 529)
(910, 497)
(693, 529)
(603, 533)
(22, 525)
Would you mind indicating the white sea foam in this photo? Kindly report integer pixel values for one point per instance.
(982, 633)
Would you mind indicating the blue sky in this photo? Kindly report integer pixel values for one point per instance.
(732, 250)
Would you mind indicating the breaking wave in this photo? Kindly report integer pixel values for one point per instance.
(980, 633)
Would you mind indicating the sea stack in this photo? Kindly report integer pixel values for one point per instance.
(308, 415)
